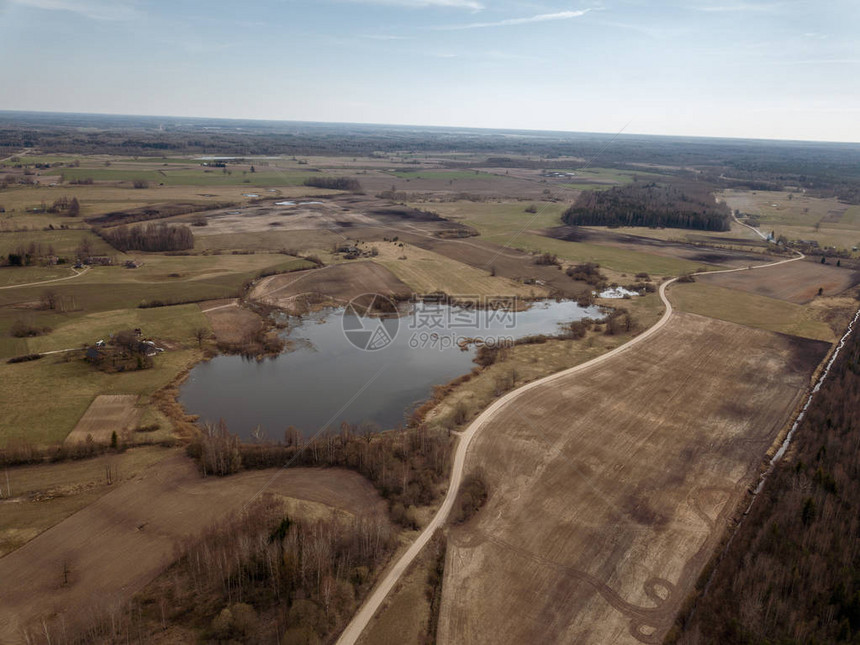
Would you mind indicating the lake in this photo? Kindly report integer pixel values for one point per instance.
(325, 377)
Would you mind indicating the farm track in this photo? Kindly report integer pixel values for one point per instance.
(78, 274)
(372, 604)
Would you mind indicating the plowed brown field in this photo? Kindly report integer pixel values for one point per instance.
(116, 545)
(610, 488)
(108, 413)
(796, 282)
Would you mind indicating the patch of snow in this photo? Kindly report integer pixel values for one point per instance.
(250, 195)
(285, 203)
(309, 203)
(617, 292)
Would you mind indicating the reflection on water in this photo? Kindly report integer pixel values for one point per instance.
(324, 379)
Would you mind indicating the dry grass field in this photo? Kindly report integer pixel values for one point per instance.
(507, 262)
(108, 413)
(230, 322)
(799, 216)
(796, 282)
(610, 489)
(38, 496)
(338, 282)
(103, 554)
(403, 619)
(426, 272)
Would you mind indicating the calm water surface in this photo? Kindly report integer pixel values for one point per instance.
(323, 379)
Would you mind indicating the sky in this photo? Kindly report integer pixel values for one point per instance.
(784, 69)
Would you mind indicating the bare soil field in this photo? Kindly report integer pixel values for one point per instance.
(610, 489)
(338, 282)
(287, 214)
(335, 213)
(108, 413)
(703, 254)
(112, 548)
(796, 282)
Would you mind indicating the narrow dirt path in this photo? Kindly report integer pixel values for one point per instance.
(235, 303)
(78, 274)
(360, 621)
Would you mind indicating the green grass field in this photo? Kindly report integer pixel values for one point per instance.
(161, 161)
(49, 396)
(509, 225)
(851, 217)
(172, 323)
(191, 177)
(442, 174)
(750, 310)
(500, 219)
(63, 243)
(110, 289)
(10, 276)
(41, 159)
(620, 260)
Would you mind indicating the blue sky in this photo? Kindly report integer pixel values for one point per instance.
(781, 69)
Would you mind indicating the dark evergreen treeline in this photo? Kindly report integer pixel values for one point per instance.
(637, 204)
(334, 183)
(152, 237)
(792, 573)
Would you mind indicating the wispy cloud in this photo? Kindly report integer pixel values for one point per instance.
(500, 55)
(474, 5)
(384, 37)
(510, 22)
(819, 61)
(96, 9)
(739, 7)
(490, 55)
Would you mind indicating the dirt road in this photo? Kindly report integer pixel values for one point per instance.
(352, 632)
(78, 274)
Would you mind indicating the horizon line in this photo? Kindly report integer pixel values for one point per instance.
(432, 126)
